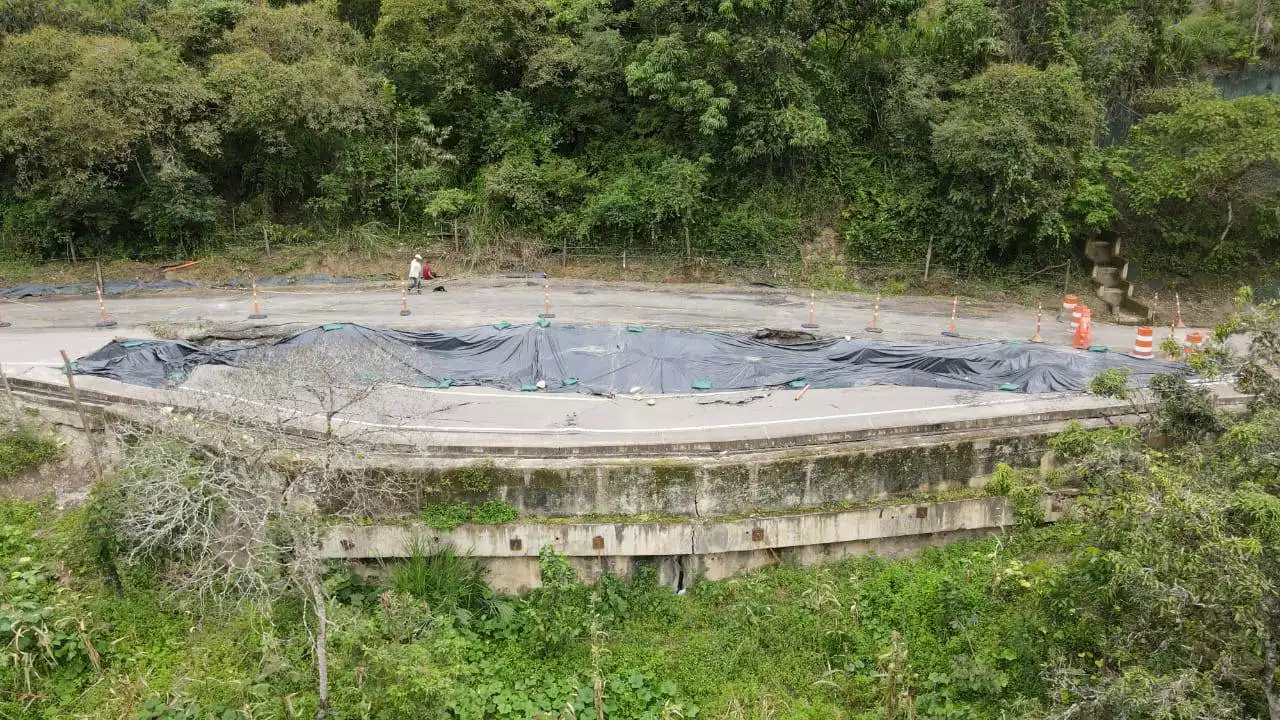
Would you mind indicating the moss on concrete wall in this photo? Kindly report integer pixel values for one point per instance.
(716, 488)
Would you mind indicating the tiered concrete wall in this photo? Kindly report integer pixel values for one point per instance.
(683, 551)
(709, 487)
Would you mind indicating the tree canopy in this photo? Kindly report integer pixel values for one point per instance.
(1000, 132)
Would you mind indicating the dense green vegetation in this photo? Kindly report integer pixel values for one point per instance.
(999, 131)
(1097, 617)
(24, 446)
(1157, 596)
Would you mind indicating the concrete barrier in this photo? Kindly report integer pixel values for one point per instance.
(682, 551)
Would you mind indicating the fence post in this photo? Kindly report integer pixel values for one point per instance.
(928, 258)
(84, 420)
(1066, 283)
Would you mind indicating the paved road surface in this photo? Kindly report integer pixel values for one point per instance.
(480, 418)
(42, 327)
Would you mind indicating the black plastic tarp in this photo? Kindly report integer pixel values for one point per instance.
(607, 360)
(114, 287)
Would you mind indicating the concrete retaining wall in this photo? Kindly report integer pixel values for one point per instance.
(706, 487)
(682, 551)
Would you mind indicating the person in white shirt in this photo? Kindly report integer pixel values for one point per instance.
(415, 274)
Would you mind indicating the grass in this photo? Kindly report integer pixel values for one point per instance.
(24, 446)
(445, 579)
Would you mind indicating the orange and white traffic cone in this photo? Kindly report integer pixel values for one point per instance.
(951, 327)
(1083, 339)
(257, 306)
(1144, 343)
(546, 302)
(1068, 306)
(813, 323)
(1038, 338)
(875, 317)
(105, 321)
(404, 300)
(1076, 311)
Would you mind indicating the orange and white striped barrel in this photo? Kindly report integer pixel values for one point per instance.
(1194, 343)
(1076, 312)
(1144, 343)
(1068, 306)
(1083, 338)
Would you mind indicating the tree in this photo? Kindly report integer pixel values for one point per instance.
(1012, 147)
(222, 502)
(1197, 175)
(1178, 585)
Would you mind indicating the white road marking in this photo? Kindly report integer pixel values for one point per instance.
(612, 431)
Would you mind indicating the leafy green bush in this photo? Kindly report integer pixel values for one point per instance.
(1185, 413)
(493, 512)
(1002, 480)
(23, 447)
(1025, 493)
(1111, 383)
(1076, 441)
(446, 516)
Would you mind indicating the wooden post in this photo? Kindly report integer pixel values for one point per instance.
(928, 258)
(84, 420)
(98, 263)
(266, 240)
(688, 247)
(564, 252)
(1066, 283)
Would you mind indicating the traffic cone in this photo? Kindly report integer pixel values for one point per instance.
(105, 321)
(1144, 343)
(257, 306)
(1076, 311)
(875, 317)
(951, 327)
(1037, 338)
(546, 302)
(404, 300)
(1084, 333)
(1068, 306)
(812, 324)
